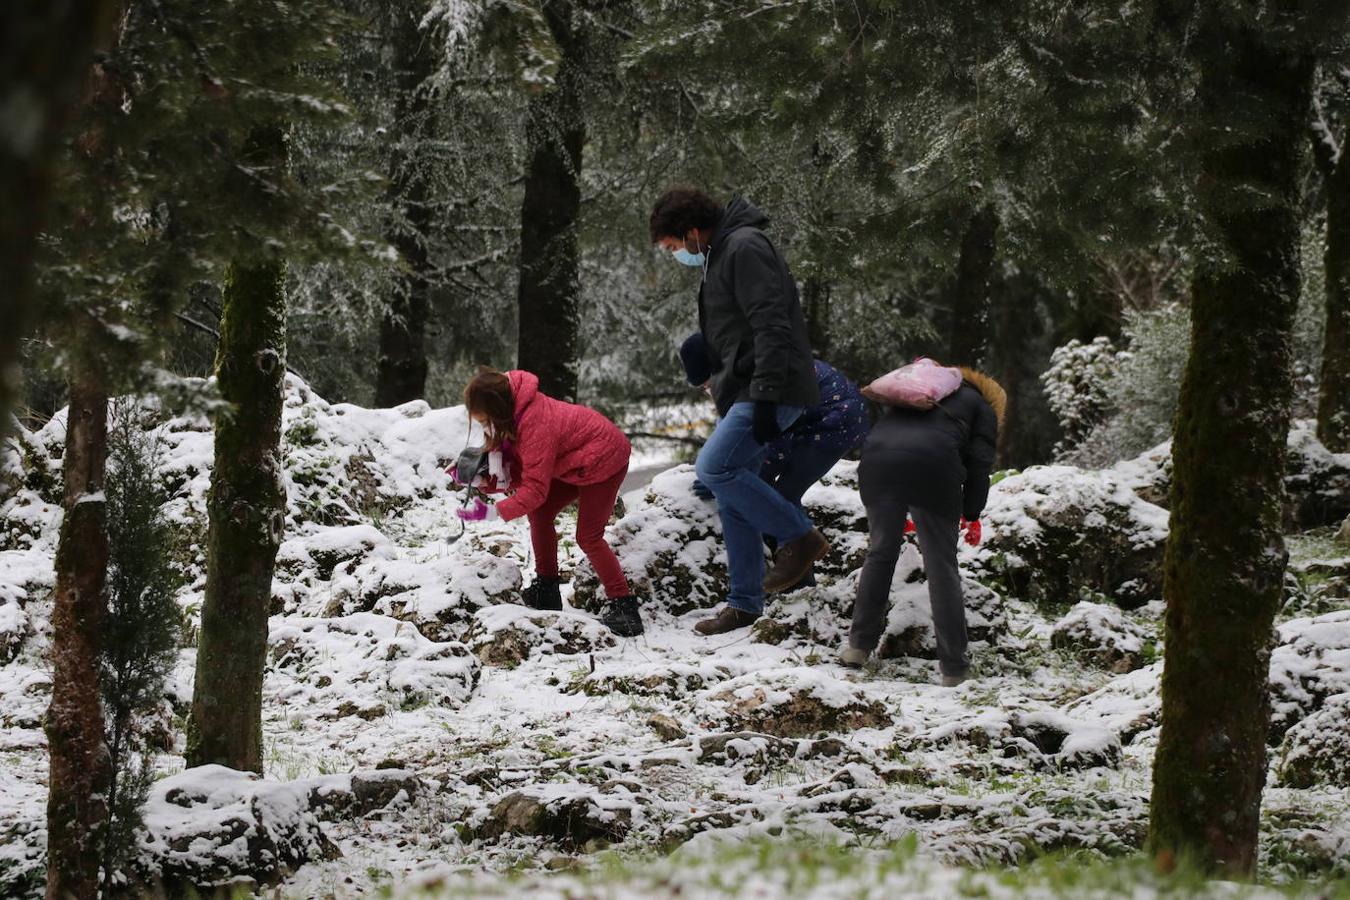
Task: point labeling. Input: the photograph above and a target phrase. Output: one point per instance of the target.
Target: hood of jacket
(993, 392)
(524, 388)
(739, 213)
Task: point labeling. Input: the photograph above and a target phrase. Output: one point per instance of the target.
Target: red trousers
(595, 504)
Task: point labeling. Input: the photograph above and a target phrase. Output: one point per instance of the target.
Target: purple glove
(479, 512)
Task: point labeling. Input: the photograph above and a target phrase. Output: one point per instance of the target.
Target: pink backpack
(920, 385)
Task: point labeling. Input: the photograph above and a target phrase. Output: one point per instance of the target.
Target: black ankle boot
(621, 616)
(543, 593)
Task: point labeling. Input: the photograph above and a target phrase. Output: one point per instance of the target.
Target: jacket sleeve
(979, 460)
(538, 453)
(766, 301)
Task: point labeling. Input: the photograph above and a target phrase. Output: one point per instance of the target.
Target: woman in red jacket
(558, 453)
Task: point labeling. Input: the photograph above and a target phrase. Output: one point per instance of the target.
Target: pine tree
(247, 502)
(45, 51)
(1225, 556)
(1333, 396)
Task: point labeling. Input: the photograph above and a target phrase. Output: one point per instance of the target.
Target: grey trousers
(937, 543)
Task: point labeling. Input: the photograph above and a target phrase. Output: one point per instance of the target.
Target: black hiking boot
(621, 616)
(543, 593)
(727, 619)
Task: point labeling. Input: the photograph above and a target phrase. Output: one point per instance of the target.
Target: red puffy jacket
(557, 441)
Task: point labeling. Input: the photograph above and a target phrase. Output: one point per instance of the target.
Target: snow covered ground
(427, 736)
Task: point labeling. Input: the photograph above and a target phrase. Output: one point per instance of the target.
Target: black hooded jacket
(937, 460)
(751, 317)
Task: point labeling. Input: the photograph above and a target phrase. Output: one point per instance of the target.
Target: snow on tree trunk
(549, 284)
(1333, 399)
(44, 51)
(76, 813)
(247, 510)
(1225, 557)
(970, 291)
(402, 370)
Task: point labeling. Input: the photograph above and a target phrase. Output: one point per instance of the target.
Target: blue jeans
(749, 506)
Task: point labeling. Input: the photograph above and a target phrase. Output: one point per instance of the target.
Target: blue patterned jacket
(839, 422)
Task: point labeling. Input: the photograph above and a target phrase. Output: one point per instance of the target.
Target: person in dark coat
(820, 437)
(932, 465)
(762, 380)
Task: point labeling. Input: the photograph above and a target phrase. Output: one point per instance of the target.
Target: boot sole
(777, 587)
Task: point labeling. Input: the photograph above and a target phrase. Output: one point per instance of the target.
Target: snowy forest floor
(517, 753)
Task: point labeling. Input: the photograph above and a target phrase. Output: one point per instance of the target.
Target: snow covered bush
(1075, 387)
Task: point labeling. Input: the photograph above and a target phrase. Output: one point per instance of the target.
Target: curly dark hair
(681, 209)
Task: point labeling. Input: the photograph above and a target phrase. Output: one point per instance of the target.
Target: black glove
(764, 426)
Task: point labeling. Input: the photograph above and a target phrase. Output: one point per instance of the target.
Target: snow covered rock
(361, 793)
(14, 629)
(1130, 705)
(909, 623)
(1317, 749)
(325, 550)
(439, 594)
(1316, 481)
(670, 547)
(507, 635)
(1311, 663)
(653, 679)
(1054, 533)
(1101, 635)
(365, 665)
(576, 816)
(797, 703)
(212, 826)
(835, 507)
(1047, 739)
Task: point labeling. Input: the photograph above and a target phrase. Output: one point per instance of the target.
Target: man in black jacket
(763, 378)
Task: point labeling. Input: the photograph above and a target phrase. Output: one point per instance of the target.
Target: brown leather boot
(794, 560)
(727, 619)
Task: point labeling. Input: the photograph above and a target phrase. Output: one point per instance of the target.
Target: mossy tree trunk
(246, 506)
(78, 753)
(549, 283)
(970, 289)
(1225, 557)
(402, 369)
(44, 52)
(1333, 395)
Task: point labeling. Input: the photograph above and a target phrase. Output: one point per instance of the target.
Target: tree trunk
(246, 506)
(76, 811)
(1225, 557)
(44, 52)
(970, 291)
(1333, 398)
(549, 282)
(402, 369)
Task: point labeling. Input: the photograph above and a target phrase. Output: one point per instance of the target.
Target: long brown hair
(488, 394)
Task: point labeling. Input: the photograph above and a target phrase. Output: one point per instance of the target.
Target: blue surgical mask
(689, 259)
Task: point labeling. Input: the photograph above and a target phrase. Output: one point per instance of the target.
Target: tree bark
(970, 291)
(549, 279)
(246, 506)
(1225, 557)
(44, 52)
(76, 812)
(402, 370)
(1333, 396)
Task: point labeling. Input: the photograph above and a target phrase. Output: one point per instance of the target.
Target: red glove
(909, 526)
(973, 532)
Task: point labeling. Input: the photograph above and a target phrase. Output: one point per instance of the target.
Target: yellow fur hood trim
(993, 392)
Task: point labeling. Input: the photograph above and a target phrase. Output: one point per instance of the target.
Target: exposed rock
(909, 623)
(1101, 635)
(835, 507)
(1343, 533)
(507, 635)
(364, 665)
(574, 816)
(732, 747)
(1045, 738)
(1317, 749)
(791, 703)
(1058, 534)
(666, 727)
(362, 793)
